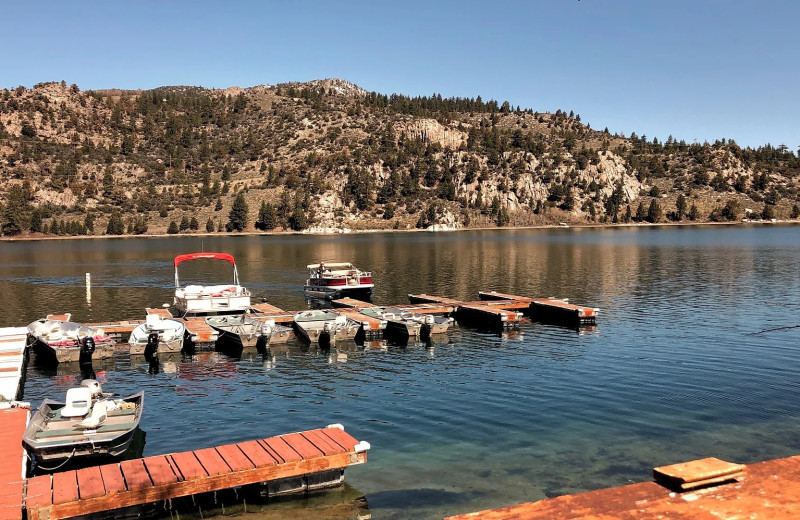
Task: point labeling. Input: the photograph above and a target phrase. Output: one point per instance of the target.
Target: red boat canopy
(200, 256)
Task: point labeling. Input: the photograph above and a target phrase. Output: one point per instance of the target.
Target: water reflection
(593, 407)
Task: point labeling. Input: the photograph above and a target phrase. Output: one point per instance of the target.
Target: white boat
(324, 326)
(209, 300)
(157, 334)
(334, 280)
(89, 425)
(63, 341)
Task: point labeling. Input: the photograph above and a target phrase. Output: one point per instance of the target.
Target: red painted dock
(764, 490)
(161, 477)
(12, 469)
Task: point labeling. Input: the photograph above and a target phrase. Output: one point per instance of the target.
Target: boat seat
(152, 320)
(79, 401)
(98, 415)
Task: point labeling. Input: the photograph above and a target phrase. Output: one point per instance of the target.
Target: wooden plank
(211, 461)
(90, 482)
(201, 485)
(160, 470)
(188, 465)
(234, 457)
(39, 492)
(135, 474)
(342, 438)
(281, 450)
(322, 442)
(301, 445)
(65, 487)
(256, 453)
(113, 480)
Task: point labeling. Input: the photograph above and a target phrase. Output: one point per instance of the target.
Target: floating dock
(371, 328)
(266, 310)
(274, 460)
(550, 310)
(769, 489)
(13, 421)
(493, 311)
(13, 342)
(476, 314)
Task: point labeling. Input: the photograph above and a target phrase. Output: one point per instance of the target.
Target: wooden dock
(12, 471)
(266, 310)
(549, 310)
(476, 314)
(162, 477)
(13, 341)
(769, 489)
(493, 311)
(371, 328)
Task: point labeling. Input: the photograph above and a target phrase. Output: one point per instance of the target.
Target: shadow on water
(340, 503)
(413, 498)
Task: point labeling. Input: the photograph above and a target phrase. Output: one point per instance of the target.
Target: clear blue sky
(700, 69)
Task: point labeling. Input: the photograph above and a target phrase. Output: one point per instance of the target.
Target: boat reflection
(78, 370)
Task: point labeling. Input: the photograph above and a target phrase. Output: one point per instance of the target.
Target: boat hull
(69, 354)
(52, 439)
(337, 292)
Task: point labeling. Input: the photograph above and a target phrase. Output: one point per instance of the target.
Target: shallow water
(683, 364)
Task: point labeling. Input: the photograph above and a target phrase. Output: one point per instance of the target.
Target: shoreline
(414, 230)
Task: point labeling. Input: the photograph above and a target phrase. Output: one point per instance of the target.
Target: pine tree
(210, 225)
(237, 218)
(115, 225)
(266, 217)
(173, 228)
(680, 207)
(654, 212)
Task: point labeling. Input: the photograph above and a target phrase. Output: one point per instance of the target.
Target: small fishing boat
(404, 324)
(157, 334)
(89, 425)
(398, 324)
(241, 330)
(210, 300)
(324, 326)
(63, 341)
(334, 280)
(432, 324)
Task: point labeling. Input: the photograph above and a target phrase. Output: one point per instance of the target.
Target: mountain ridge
(328, 155)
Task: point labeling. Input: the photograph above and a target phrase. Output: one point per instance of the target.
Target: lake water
(694, 355)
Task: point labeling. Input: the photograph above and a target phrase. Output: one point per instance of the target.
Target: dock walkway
(13, 341)
(161, 477)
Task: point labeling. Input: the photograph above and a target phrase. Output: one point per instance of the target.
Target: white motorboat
(63, 341)
(210, 300)
(159, 334)
(324, 326)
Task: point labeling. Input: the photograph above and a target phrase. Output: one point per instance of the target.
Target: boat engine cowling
(87, 349)
(152, 345)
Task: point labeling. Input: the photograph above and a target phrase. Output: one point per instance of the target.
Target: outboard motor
(87, 349)
(151, 349)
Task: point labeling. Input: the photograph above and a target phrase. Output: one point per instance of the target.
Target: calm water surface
(692, 357)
